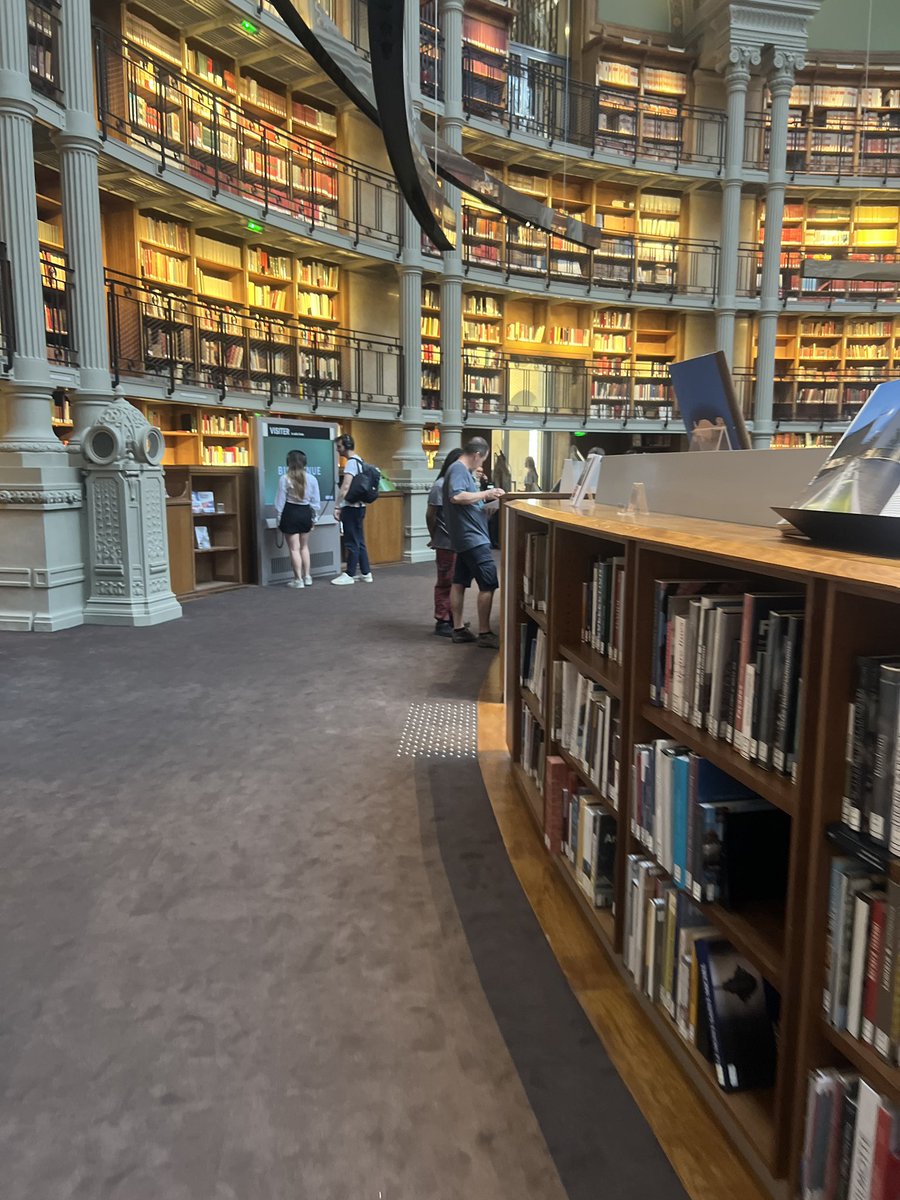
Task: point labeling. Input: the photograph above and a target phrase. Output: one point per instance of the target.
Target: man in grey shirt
(466, 511)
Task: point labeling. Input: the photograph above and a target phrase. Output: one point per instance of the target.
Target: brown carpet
(251, 954)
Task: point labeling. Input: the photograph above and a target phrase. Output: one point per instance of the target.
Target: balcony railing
(188, 342)
(793, 286)
(7, 322)
(431, 52)
(147, 104)
(532, 97)
(868, 147)
(626, 262)
(56, 286)
(812, 396)
(497, 384)
(43, 46)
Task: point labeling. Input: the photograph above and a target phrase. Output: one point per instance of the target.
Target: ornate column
(737, 79)
(451, 283)
(781, 68)
(41, 568)
(79, 147)
(410, 461)
(128, 561)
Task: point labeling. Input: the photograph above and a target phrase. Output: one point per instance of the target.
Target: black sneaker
(489, 640)
(463, 635)
(443, 628)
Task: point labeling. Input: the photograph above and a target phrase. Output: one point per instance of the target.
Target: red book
(873, 969)
(555, 775)
(881, 1164)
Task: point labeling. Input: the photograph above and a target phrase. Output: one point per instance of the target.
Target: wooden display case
(851, 606)
(226, 561)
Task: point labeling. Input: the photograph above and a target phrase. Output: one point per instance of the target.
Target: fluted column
(452, 280)
(28, 406)
(737, 79)
(79, 147)
(782, 67)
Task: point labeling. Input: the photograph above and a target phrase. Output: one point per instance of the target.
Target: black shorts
(296, 518)
(478, 564)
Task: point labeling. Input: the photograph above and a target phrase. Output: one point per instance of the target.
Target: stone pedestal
(128, 563)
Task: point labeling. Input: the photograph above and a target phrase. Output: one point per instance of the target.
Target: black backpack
(364, 485)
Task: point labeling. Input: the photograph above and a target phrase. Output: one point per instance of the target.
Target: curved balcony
(186, 342)
(531, 98)
(843, 150)
(498, 385)
(148, 104)
(794, 288)
(628, 264)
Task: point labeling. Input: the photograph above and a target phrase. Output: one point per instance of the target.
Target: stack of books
(852, 1143)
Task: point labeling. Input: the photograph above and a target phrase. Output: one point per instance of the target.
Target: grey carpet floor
(250, 953)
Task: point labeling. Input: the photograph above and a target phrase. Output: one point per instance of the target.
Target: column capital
(737, 66)
(452, 6)
(781, 67)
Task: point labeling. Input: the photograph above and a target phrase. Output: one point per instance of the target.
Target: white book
(742, 733)
(599, 743)
(689, 670)
(726, 626)
(570, 697)
(867, 1108)
(604, 749)
(676, 683)
(662, 787)
(858, 955)
(893, 833)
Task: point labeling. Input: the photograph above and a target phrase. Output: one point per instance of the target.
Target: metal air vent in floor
(440, 729)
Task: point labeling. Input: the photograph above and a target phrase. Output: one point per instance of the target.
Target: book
(874, 954)
(868, 1105)
(203, 502)
(201, 536)
(737, 1011)
(879, 816)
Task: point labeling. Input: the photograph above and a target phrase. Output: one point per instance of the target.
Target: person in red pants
(445, 559)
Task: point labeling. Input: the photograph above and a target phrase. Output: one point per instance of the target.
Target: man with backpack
(358, 487)
(466, 510)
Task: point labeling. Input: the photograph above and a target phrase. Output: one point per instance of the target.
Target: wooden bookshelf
(198, 436)
(844, 124)
(851, 608)
(227, 561)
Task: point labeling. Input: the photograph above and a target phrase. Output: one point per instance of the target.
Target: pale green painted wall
(842, 25)
(639, 14)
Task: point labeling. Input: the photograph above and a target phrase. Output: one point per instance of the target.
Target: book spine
(883, 775)
(691, 819)
(850, 811)
(864, 1142)
(885, 1002)
(865, 735)
(873, 968)
(893, 831)
(723, 1075)
(747, 634)
(858, 957)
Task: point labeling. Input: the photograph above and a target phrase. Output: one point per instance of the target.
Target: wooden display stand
(226, 562)
(384, 529)
(852, 608)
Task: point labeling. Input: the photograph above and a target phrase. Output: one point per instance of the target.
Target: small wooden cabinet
(212, 550)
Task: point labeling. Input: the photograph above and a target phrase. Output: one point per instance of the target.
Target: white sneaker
(307, 581)
(343, 579)
(296, 583)
(366, 578)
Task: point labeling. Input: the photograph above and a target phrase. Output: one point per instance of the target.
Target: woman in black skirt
(297, 504)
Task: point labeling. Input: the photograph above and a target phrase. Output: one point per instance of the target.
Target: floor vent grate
(440, 729)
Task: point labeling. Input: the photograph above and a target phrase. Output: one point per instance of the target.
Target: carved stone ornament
(119, 434)
(42, 497)
(49, 447)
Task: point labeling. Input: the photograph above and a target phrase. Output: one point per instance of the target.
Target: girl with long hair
(297, 505)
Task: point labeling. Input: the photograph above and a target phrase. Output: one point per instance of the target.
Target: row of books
(728, 661)
(532, 751)
(315, 304)
(851, 1148)
(586, 724)
(166, 233)
(717, 1000)
(603, 607)
(157, 265)
(251, 89)
(480, 331)
(150, 118)
(708, 832)
(264, 262)
(871, 801)
(533, 658)
(266, 296)
(217, 456)
(215, 285)
(861, 993)
(582, 830)
(536, 571)
(234, 423)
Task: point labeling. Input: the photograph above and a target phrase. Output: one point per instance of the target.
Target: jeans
(355, 540)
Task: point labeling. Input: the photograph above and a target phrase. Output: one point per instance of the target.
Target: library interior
(614, 911)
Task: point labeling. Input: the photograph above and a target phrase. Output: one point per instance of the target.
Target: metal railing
(793, 286)
(189, 127)
(431, 52)
(56, 285)
(533, 97)
(498, 384)
(811, 395)
(628, 262)
(188, 341)
(7, 318)
(841, 149)
(43, 46)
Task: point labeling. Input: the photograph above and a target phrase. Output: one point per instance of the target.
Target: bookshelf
(430, 323)
(209, 551)
(639, 104)
(849, 605)
(202, 437)
(485, 57)
(844, 127)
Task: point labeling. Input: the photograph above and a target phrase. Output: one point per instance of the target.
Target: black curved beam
(352, 74)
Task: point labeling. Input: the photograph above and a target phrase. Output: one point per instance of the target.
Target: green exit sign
(255, 226)
(249, 27)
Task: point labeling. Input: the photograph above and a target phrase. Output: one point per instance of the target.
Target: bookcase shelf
(774, 788)
(850, 607)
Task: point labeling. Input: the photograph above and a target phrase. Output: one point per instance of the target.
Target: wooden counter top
(746, 545)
